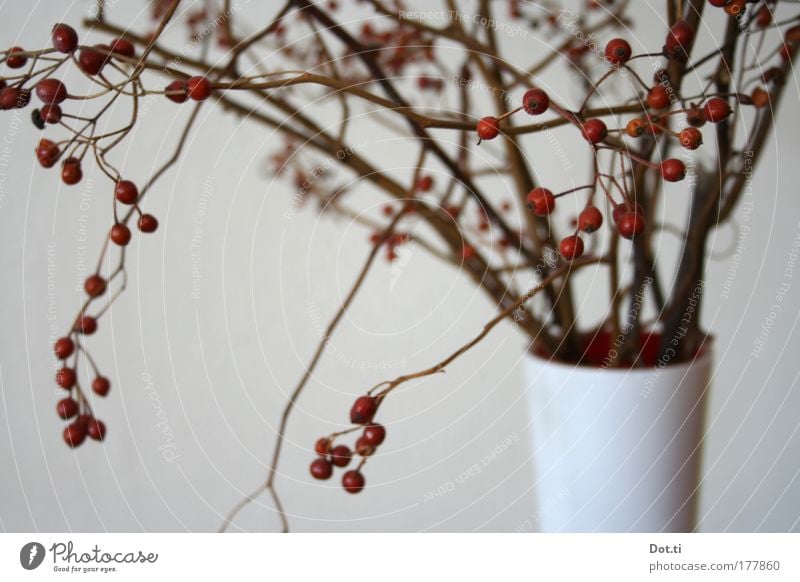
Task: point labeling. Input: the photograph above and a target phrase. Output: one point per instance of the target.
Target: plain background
(225, 305)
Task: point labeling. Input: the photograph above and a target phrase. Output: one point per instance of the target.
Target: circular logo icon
(31, 555)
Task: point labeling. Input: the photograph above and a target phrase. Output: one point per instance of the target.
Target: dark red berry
(374, 434)
(658, 97)
(323, 447)
(86, 325)
(94, 286)
(66, 408)
(96, 429)
(341, 455)
(691, 138)
(718, 3)
(63, 348)
(51, 91)
(363, 448)
(66, 378)
(716, 109)
(120, 234)
(673, 170)
(198, 88)
(64, 37)
(488, 128)
(15, 60)
(47, 152)
(123, 47)
(630, 224)
(695, 117)
(364, 408)
(176, 91)
(594, 130)
(571, 247)
(71, 172)
(147, 223)
(541, 201)
(101, 385)
(50, 113)
(590, 219)
(679, 40)
(425, 184)
(618, 51)
(321, 469)
(75, 433)
(91, 61)
(535, 101)
(353, 481)
(126, 192)
(14, 98)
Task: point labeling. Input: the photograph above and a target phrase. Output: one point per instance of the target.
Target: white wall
(213, 369)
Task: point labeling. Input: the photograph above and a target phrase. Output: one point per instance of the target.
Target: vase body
(617, 450)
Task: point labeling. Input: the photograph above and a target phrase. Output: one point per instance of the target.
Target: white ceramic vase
(616, 450)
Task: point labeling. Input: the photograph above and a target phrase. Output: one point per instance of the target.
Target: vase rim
(704, 354)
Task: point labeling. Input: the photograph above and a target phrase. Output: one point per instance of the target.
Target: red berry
(658, 97)
(734, 7)
(94, 286)
(425, 184)
(123, 47)
(718, 3)
(91, 61)
(176, 91)
(64, 37)
(630, 224)
(590, 219)
(764, 17)
(760, 97)
(66, 378)
(594, 130)
(198, 88)
(321, 469)
(691, 138)
(621, 209)
(618, 51)
(341, 456)
(120, 234)
(51, 113)
(467, 252)
(63, 348)
(488, 128)
(96, 429)
(14, 98)
(679, 39)
(147, 223)
(695, 117)
(364, 408)
(571, 247)
(75, 433)
(101, 385)
(66, 408)
(14, 60)
(673, 170)
(86, 325)
(535, 101)
(126, 192)
(323, 447)
(374, 434)
(51, 91)
(363, 448)
(716, 109)
(71, 172)
(541, 201)
(47, 152)
(353, 481)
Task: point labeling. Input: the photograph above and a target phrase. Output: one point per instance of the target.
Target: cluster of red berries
(195, 88)
(83, 422)
(330, 456)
